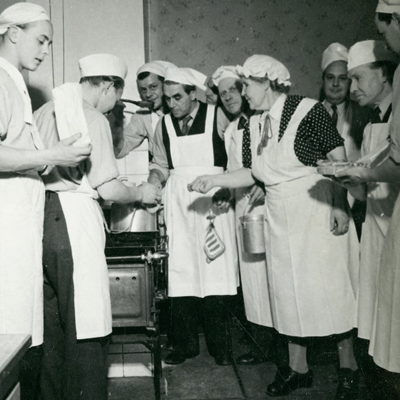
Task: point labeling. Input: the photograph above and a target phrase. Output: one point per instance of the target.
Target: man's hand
(149, 194)
(222, 198)
(352, 176)
(66, 155)
(339, 221)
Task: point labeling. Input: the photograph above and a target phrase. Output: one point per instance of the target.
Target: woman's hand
(256, 195)
(202, 184)
(340, 220)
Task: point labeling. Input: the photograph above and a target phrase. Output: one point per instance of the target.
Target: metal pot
(128, 218)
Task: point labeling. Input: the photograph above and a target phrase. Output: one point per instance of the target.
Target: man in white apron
(77, 306)
(200, 277)
(349, 118)
(22, 155)
(149, 79)
(372, 61)
(385, 342)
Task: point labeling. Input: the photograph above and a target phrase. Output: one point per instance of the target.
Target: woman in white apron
(311, 244)
(249, 200)
(77, 317)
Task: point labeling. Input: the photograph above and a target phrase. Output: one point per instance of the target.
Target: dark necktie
(376, 117)
(185, 125)
(334, 115)
(246, 150)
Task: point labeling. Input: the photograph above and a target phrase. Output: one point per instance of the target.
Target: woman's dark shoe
(348, 384)
(250, 359)
(287, 380)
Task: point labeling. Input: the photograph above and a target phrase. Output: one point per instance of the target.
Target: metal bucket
(253, 233)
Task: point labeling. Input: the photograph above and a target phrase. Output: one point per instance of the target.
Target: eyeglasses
(266, 135)
(232, 90)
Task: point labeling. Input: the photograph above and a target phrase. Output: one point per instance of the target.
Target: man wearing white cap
(77, 307)
(349, 118)
(149, 79)
(25, 36)
(201, 273)
(385, 342)
(371, 69)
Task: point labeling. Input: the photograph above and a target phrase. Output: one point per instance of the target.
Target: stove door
(130, 289)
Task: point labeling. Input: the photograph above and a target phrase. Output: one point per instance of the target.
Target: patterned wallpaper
(204, 34)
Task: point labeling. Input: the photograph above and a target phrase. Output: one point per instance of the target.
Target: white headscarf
(21, 13)
(388, 6)
(260, 66)
(157, 67)
(186, 76)
(223, 73)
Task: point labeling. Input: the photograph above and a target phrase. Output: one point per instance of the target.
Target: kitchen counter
(12, 348)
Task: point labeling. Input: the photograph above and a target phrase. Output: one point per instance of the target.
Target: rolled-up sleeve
(101, 165)
(133, 134)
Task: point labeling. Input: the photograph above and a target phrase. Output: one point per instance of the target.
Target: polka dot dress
(246, 150)
(316, 136)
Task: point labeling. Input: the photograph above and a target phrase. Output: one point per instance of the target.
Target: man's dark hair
(388, 69)
(187, 88)
(385, 17)
(145, 74)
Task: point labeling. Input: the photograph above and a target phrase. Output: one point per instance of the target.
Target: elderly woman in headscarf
(249, 200)
(308, 235)
(25, 36)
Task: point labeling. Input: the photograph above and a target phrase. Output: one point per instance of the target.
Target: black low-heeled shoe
(287, 380)
(348, 384)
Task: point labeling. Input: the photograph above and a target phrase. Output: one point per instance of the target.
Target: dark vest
(197, 128)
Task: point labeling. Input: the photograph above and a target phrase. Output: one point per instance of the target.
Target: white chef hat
(21, 13)
(334, 52)
(102, 65)
(369, 51)
(157, 67)
(388, 6)
(186, 76)
(223, 73)
(260, 66)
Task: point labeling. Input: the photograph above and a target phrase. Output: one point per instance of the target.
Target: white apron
(186, 213)
(253, 267)
(380, 204)
(85, 221)
(21, 273)
(85, 224)
(21, 234)
(312, 287)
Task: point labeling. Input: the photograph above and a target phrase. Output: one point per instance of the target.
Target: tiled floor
(200, 378)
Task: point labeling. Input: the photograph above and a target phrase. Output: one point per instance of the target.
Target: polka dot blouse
(316, 136)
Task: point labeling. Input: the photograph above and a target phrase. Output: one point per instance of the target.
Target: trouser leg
(72, 369)
(29, 369)
(58, 298)
(184, 312)
(216, 325)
